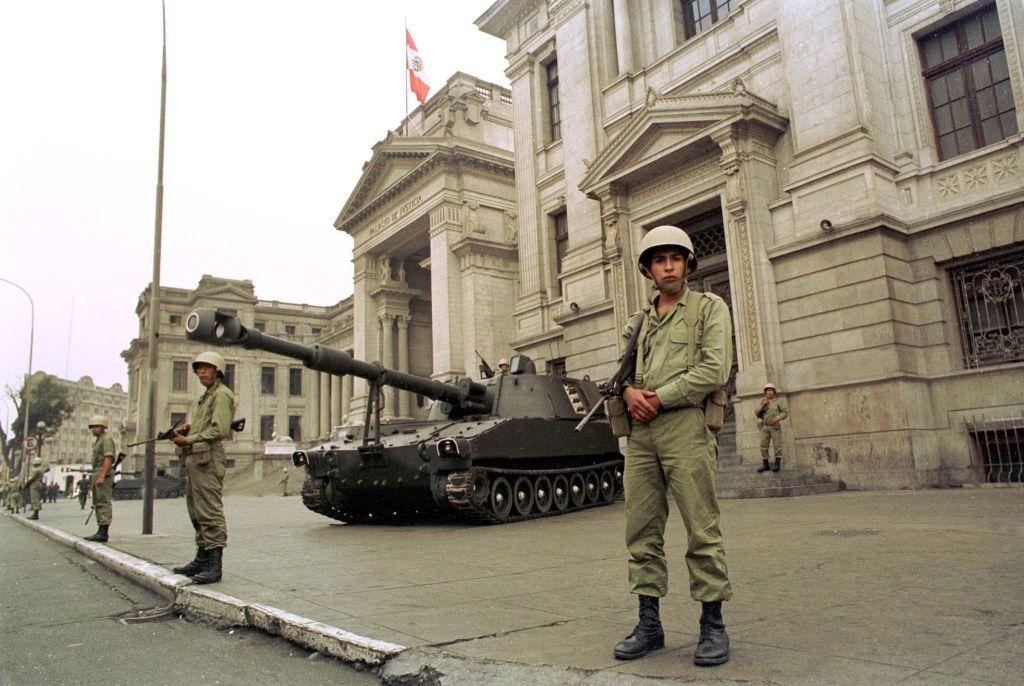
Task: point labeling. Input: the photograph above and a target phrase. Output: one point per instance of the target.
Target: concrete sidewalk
(922, 587)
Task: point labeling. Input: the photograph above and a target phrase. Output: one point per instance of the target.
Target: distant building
(73, 442)
(273, 393)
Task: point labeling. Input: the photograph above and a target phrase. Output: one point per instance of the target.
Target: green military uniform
(771, 434)
(206, 464)
(103, 496)
(35, 486)
(17, 499)
(676, 451)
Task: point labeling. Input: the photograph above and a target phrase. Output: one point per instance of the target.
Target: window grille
(179, 377)
(998, 445)
(708, 242)
(267, 381)
(561, 221)
(968, 84)
(295, 381)
(990, 310)
(229, 376)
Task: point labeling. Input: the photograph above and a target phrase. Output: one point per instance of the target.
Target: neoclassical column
(387, 322)
(325, 404)
(312, 423)
(346, 397)
(404, 397)
(618, 251)
(335, 400)
(623, 36)
(525, 104)
(446, 291)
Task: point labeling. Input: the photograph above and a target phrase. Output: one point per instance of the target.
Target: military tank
(503, 449)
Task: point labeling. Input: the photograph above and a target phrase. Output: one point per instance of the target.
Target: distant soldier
(17, 497)
(202, 453)
(4, 493)
(83, 490)
(770, 414)
(503, 366)
(284, 481)
(103, 486)
(36, 486)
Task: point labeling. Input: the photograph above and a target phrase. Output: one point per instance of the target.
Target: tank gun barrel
(214, 327)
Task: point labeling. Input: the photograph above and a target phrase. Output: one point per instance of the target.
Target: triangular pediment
(223, 291)
(670, 127)
(391, 161)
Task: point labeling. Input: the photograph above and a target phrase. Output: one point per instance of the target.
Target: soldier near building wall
(770, 414)
(83, 490)
(36, 486)
(202, 452)
(684, 353)
(103, 486)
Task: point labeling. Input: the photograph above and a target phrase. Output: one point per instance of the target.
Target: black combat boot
(777, 465)
(211, 571)
(195, 566)
(764, 466)
(648, 634)
(713, 647)
(35, 514)
(101, 534)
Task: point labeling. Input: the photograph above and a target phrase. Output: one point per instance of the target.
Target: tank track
(473, 495)
(314, 497)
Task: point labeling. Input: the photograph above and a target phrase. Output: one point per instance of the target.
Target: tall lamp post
(28, 377)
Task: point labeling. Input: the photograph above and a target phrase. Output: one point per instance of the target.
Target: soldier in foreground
(103, 487)
(36, 486)
(770, 414)
(684, 353)
(202, 453)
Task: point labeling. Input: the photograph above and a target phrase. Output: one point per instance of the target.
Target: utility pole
(148, 490)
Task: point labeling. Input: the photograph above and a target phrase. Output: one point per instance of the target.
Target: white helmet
(502, 361)
(771, 386)
(212, 358)
(98, 420)
(663, 236)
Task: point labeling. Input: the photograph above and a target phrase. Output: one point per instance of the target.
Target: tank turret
(496, 450)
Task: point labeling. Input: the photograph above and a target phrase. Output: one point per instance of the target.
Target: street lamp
(28, 377)
(40, 436)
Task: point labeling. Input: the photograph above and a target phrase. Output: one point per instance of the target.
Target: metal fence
(998, 446)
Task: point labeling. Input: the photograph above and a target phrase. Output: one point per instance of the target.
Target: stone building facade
(433, 220)
(72, 443)
(276, 395)
(851, 173)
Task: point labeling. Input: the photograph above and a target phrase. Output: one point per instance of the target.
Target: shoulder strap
(638, 373)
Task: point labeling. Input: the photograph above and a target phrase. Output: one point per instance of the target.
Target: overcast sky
(272, 109)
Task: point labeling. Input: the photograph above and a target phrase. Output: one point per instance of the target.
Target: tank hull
(488, 470)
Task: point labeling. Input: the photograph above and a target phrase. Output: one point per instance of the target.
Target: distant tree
(49, 404)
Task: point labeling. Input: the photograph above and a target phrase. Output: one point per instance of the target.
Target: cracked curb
(396, 665)
(208, 604)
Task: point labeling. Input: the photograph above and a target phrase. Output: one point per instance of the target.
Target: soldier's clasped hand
(643, 405)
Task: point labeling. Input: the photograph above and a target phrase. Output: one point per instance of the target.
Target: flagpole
(405, 76)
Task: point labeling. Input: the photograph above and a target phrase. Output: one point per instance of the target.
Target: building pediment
(669, 130)
(223, 292)
(390, 163)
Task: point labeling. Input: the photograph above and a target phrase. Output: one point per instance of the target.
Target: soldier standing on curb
(103, 486)
(770, 414)
(36, 486)
(284, 481)
(684, 353)
(202, 453)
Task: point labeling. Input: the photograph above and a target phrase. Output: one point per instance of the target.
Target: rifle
(612, 388)
(110, 473)
(485, 369)
(236, 426)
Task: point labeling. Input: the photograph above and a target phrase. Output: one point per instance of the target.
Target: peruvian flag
(417, 77)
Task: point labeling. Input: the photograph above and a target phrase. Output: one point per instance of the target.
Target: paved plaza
(921, 587)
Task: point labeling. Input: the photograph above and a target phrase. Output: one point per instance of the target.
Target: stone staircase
(741, 480)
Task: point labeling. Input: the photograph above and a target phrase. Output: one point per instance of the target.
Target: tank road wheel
(501, 498)
(560, 493)
(593, 484)
(577, 490)
(544, 494)
(523, 491)
(619, 484)
(607, 486)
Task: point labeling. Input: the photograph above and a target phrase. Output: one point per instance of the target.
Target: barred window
(968, 84)
(561, 222)
(700, 15)
(554, 106)
(179, 376)
(229, 376)
(266, 427)
(295, 381)
(295, 427)
(267, 381)
(990, 309)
